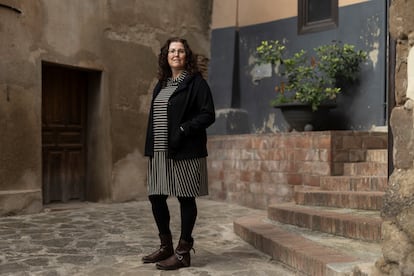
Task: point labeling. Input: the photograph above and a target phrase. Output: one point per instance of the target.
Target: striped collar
(177, 80)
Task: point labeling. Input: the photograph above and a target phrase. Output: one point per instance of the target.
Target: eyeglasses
(174, 51)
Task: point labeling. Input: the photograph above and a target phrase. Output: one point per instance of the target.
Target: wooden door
(63, 133)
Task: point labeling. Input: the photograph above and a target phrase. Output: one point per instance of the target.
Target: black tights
(188, 209)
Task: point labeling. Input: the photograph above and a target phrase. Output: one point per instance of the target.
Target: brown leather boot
(165, 251)
(181, 258)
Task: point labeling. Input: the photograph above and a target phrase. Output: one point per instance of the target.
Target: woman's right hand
(176, 138)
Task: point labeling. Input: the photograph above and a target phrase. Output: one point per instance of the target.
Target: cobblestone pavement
(110, 239)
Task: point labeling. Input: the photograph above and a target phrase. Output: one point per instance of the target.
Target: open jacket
(190, 112)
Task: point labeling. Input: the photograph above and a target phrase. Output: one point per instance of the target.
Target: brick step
(378, 156)
(352, 155)
(340, 199)
(361, 155)
(354, 183)
(348, 223)
(307, 252)
(365, 169)
(361, 140)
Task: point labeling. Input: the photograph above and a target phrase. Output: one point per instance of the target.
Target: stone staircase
(333, 229)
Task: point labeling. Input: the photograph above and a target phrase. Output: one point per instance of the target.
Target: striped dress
(183, 178)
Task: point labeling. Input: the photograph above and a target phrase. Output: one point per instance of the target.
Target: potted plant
(310, 83)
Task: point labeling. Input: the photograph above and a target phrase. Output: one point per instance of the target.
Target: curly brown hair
(164, 70)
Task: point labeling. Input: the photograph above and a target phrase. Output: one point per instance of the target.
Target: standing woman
(181, 110)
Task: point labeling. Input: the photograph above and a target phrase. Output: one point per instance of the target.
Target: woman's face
(176, 56)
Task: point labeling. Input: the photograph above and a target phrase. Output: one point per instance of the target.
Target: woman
(181, 110)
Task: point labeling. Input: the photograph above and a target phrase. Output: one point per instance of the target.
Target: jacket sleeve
(205, 115)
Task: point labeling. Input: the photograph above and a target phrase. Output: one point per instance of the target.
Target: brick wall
(258, 170)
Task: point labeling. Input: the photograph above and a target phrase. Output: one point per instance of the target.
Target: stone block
(401, 73)
(399, 193)
(401, 19)
(402, 127)
(406, 220)
(396, 244)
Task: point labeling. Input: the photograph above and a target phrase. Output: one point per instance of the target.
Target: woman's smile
(176, 56)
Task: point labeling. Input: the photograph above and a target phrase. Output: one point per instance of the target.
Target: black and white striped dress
(183, 178)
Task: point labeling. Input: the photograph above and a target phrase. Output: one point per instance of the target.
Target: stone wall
(398, 210)
(120, 40)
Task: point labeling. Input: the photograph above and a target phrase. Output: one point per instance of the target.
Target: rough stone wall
(398, 210)
(121, 39)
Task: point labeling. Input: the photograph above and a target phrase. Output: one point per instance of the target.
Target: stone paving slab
(110, 239)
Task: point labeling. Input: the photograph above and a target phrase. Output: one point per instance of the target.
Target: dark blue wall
(363, 25)
(222, 64)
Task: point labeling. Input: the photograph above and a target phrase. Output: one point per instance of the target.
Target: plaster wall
(229, 13)
(118, 43)
(241, 90)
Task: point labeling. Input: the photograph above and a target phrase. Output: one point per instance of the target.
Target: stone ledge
(20, 202)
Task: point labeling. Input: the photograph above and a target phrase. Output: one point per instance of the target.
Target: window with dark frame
(317, 15)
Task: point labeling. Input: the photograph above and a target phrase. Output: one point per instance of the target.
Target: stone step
(365, 169)
(340, 199)
(307, 252)
(354, 183)
(348, 223)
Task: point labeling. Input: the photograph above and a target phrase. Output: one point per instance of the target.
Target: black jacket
(190, 107)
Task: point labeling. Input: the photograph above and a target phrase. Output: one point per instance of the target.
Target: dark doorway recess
(64, 128)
